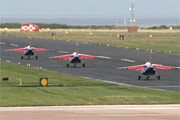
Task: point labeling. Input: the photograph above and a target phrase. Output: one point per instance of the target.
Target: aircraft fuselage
(29, 52)
(149, 71)
(75, 59)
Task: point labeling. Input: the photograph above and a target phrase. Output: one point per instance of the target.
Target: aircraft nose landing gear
(139, 77)
(147, 78)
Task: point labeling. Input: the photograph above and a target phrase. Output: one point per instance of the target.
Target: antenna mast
(132, 9)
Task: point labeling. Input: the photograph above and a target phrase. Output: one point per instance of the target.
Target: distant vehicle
(28, 51)
(149, 69)
(74, 58)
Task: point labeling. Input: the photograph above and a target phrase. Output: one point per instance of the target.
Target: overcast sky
(89, 7)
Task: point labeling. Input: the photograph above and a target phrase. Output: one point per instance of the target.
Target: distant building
(132, 29)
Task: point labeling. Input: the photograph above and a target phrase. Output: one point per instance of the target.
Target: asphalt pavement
(102, 68)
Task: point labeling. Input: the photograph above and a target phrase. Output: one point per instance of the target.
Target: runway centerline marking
(12, 44)
(103, 57)
(127, 60)
(2, 43)
(63, 52)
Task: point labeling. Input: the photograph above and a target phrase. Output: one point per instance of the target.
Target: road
(104, 68)
(101, 112)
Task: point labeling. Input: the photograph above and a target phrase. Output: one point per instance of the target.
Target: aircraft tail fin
(77, 44)
(151, 57)
(30, 42)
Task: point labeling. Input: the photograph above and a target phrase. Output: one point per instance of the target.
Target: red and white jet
(29, 51)
(149, 69)
(74, 58)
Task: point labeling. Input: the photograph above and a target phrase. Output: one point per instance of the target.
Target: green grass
(164, 41)
(70, 90)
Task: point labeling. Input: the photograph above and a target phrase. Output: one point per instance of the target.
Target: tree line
(59, 26)
(65, 26)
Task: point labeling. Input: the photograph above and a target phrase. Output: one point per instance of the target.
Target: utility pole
(124, 21)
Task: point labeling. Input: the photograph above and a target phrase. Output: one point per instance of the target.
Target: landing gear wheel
(147, 78)
(158, 77)
(74, 65)
(36, 57)
(83, 65)
(22, 57)
(67, 65)
(139, 77)
(28, 57)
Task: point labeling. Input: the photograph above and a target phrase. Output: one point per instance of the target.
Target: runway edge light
(43, 81)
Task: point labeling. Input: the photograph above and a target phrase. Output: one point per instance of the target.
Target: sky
(148, 8)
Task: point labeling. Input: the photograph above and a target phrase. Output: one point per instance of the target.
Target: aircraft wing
(18, 50)
(62, 57)
(137, 67)
(157, 66)
(86, 56)
(39, 49)
(93, 56)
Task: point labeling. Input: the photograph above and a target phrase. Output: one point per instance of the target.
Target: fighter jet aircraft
(74, 58)
(29, 51)
(149, 69)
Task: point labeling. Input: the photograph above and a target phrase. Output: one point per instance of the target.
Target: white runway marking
(127, 60)
(163, 86)
(108, 81)
(12, 44)
(103, 57)
(62, 52)
(2, 43)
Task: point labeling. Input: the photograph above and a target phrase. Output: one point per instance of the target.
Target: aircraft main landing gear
(139, 77)
(74, 65)
(83, 65)
(36, 57)
(67, 65)
(158, 77)
(22, 57)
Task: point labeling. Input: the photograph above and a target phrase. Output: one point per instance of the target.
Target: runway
(102, 68)
(101, 112)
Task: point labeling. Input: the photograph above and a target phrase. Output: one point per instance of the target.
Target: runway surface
(103, 68)
(102, 112)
